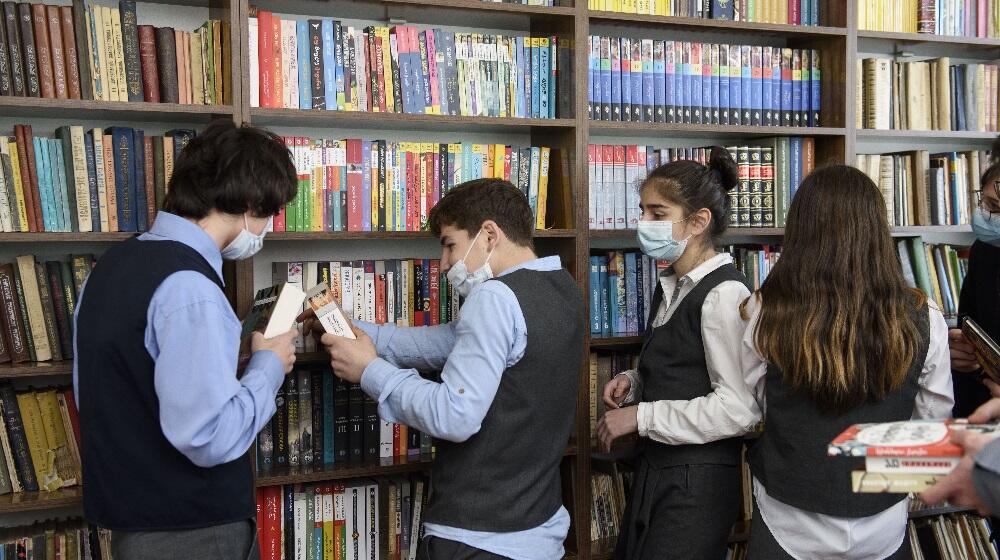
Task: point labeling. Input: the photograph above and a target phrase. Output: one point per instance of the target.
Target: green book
(921, 273)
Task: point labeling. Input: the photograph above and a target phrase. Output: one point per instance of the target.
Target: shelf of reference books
(615, 340)
(36, 369)
(378, 235)
(705, 24)
(341, 471)
(879, 134)
(676, 130)
(60, 237)
(930, 512)
(35, 501)
(973, 42)
(22, 107)
(400, 121)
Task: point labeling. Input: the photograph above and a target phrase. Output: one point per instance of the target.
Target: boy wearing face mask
(510, 370)
(686, 400)
(166, 423)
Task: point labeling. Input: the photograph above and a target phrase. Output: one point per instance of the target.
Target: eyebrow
(653, 206)
(445, 240)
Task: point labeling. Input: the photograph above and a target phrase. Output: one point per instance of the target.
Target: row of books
(604, 366)
(36, 307)
(960, 536)
(610, 488)
(321, 420)
(755, 262)
(377, 185)
(548, 3)
(368, 519)
(963, 18)
(644, 80)
(791, 12)
(85, 180)
(927, 95)
(324, 64)
(408, 293)
(770, 171)
(89, 51)
(938, 270)
(621, 292)
(39, 439)
(71, 539)
(922, 188)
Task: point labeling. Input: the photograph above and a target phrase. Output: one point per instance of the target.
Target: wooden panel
(33, 107)
(39, 501)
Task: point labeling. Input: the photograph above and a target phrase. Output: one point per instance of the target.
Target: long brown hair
(836, 314)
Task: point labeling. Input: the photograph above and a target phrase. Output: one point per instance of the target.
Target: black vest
(134, 478)
(790, 458)
(506, 477)
(672, 366)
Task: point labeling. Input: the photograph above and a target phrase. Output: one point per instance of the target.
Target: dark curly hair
(470, 204)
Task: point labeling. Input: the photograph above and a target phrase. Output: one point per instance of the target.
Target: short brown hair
(470, 204)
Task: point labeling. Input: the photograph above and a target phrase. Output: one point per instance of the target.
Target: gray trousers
(232, 541)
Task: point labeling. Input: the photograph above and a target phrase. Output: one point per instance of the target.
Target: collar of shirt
(171, 227)
(699, 272)
(544, 264)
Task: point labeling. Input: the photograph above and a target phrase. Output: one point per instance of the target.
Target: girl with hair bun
(687, 399)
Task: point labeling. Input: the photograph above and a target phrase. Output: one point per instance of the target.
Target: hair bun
(722, 163)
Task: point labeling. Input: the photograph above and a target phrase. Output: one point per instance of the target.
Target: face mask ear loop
(474, 239)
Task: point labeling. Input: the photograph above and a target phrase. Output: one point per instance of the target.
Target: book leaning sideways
(987, 350)
(903, 457)
(272, 313)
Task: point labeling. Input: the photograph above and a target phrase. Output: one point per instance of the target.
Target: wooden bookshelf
(709, 131)
(615, 341)
(394, 121)
(59, 237)
(41, 501)
(714, 25)
(113, 111)
(927, 38)
(955, 135)
(343, 471)
(36, 369)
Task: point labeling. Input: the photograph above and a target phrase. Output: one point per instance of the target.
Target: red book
(25, 179)
(436, 190)
(435, 281)
(148, 64)
(910, 438)
(74, 414)
(794, 16)
(380, 310)
(265, 56)
(29, 152)
(259, 500)
(70, 53)
(271, 549)
(380, 73)
(43, 52)
(395, 440)
(58, 56)
(428, 202)
(355, 185)
(277, 91)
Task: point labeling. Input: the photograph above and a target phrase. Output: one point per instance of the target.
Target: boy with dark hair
(166, 424)
(510, 370)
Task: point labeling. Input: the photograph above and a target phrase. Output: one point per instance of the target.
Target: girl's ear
(698, 222)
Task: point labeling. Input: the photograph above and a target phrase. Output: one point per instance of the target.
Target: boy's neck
(515, 256)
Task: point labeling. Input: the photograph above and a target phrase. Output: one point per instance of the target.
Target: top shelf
(704, 24)
(36, 107)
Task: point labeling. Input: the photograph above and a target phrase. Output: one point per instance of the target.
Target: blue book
(815, 86)
(707, 108)
(659, 82)
(670, 81)
(796, 87)
(338, 57)
(631, 291)
(775, 86)
(553, 75)
(616, 80)
(684, 75)
(591, 82)
(735, 85)
(626, 79)
(606, 80)
(421, 80)
(765, 98)
(595, 295)
(695, 73)
(953, 186)
(139, 168)
(366, 186)
(302, 49)
(635, 74)
(529, 108)
(41, 163)
(746, 81)
(723, 9)
(724, 84)
(795, 167)
(95, 206)
(757, 86)
(544, 84)
(640, 293)
(716, 102)
(329, 66)
(648, 87)
(805, 84)
(786, 87)
(614, 310)
(536, 75)
(814, 12)
(605, 298)
(57, 185)
(124, 179)
(519, 103)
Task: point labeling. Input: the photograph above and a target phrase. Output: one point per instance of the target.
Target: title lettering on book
(8, 293)
(125, 188)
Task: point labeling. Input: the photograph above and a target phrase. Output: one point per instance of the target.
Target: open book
(987, 349)
(324, 304)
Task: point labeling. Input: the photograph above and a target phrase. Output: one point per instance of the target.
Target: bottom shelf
(37, 501)
(944, 510)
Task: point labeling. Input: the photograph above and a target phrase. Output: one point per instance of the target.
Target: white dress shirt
(729, 410)
(806, 535)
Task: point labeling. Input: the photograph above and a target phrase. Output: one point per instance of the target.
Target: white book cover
(405, 268)
(390, 295)
(592, 182)
(369, 310)
(294, 278)
(359, 291)
(608, 186)
(287, 51)
(911, 465)
(417, 508)
(80, 178)
(347, 287)
(254, 63)
(299, 512)
(620, 188)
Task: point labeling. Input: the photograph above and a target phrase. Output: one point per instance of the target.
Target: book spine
(18, 439)
(13, 321)
(48, 313)
(56, 47)
(165, 64)
(148, 64)
(83, 56)
(71, 53)
(43, 52)
(32, 83)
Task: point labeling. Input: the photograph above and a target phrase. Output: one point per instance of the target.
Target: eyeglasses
(989, 204)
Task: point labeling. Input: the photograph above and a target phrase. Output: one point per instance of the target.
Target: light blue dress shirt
(193, 336)
(472, 354)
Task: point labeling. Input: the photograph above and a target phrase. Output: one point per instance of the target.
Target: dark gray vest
(790, 458)
(506, 477)
(672, 366)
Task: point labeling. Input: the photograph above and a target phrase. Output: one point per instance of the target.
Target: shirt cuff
(375, 376)
(644, 418)
(268, 364)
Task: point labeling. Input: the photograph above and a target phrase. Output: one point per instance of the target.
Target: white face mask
(657, 240)
(460, 278)
(246, 244)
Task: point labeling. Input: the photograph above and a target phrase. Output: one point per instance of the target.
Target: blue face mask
(986, 227)
(656, 239)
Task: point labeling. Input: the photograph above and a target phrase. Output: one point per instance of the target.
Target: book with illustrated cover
(323, 302)
(987, 350)
(274, 310)
(912, 438)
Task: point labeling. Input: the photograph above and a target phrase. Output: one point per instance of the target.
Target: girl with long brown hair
(836, 338)
(687, 400)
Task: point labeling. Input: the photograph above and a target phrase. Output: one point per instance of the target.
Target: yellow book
(783, 11)
(478, 151)
(543, 188)
(489, 167)
(425, 185)
(500, 162)
(454, 154)
(43, 457)
(33, 302)
(409, 294)
(116, 23)
(390, 100)
(55, 433)
(328, 516)
(10, 148)
(932, 272)
(197, 70)
(642, 7)
(317, 184)
(107, 41)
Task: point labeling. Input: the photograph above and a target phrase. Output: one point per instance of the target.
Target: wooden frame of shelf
(598, 17)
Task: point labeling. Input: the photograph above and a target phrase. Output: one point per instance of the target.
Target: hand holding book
(282, 345)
